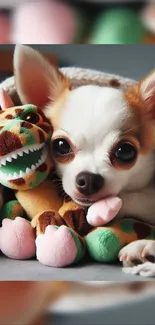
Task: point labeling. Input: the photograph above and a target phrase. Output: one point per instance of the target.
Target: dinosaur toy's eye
(33, 118)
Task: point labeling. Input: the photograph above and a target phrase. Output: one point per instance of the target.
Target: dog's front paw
(138, 252)
(146, 269)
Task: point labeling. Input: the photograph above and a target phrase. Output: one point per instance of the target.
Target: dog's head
(103, 137)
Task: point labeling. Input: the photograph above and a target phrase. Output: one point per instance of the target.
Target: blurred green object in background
(82, 26)
(118, 26)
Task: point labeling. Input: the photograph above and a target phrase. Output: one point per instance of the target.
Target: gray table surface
(88, 271)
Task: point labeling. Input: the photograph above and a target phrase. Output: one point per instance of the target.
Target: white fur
(138, 250)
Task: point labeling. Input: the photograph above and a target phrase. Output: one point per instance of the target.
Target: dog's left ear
(147, 90)
(38, 82)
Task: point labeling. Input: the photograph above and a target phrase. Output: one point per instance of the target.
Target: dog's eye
(61, 147)
(32, 118)
(124, 153)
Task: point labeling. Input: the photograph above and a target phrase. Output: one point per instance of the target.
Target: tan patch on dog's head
(141, 125)
(54, 111)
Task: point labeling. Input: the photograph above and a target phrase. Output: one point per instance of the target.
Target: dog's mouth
(22, 162)
(87, 202)
(84, 202)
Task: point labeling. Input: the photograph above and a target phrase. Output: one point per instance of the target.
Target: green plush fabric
(103, 245)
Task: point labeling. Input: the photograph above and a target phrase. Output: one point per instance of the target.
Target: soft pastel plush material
(53, 235)
(4, 29)
(108, 29)
(46, 22)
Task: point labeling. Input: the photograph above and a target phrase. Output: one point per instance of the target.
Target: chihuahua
(103, 140)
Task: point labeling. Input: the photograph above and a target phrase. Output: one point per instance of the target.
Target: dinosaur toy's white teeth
(9, 177)
(14, 156)
(26, 150)
(3, 162)
(20, 174)
(20, 152)
(28, 170)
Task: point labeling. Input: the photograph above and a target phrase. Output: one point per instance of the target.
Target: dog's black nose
(89, 183)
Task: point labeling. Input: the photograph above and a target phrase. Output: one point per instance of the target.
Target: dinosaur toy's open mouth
(23, 161)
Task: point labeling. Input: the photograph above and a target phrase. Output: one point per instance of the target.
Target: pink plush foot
(56, 247)
(17, 239)
(102, 212)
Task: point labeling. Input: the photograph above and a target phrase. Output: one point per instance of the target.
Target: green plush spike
(12, 209)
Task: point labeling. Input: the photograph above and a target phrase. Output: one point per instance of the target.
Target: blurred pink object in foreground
(44, 22)
(4, 29)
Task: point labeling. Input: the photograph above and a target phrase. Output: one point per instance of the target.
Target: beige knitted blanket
(78, 76)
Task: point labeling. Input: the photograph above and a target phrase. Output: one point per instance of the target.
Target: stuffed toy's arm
(12, 209)
(103, 211)
(104, 243)
(110, 235)
(17, 237)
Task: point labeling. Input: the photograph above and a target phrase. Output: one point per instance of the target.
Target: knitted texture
(79, 77)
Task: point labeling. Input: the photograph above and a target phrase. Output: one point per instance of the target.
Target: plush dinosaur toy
(25, 164)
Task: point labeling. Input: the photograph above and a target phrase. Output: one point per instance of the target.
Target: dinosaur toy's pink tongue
(103, 211)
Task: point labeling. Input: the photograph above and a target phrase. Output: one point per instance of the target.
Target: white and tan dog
(103, 141)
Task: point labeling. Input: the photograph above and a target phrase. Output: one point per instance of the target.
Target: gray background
(132, 61)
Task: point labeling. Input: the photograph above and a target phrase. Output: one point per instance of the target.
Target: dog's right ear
(38, 82)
